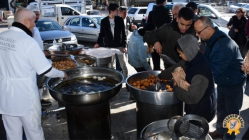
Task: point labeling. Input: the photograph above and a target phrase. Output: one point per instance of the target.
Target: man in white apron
(21, 58)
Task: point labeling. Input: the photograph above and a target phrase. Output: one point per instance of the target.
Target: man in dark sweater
(168, 34)
(159, 16)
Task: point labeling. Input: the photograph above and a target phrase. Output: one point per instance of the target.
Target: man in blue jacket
(226, 60)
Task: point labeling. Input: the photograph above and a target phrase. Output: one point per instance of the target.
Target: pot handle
(174, 118)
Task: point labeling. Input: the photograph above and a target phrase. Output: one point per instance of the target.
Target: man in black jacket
(159, 16)
(129, 27)
(112, 34)
(168, 34)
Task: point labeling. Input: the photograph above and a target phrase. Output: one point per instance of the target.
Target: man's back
(22, 60)
(159, 16)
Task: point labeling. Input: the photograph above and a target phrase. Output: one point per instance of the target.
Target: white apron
(20, 95)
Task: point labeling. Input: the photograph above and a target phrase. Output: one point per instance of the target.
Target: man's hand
(158, 47)
(96, 45)
(124, 50)
(236, 30)
(65, 76)
(174, 82)
(46, 53)
(133, 27)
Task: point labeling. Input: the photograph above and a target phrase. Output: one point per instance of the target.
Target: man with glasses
(164, 38)
(226, 60)
(112, 34)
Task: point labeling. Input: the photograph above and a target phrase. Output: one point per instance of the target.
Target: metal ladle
(72, 57)
(156, 86)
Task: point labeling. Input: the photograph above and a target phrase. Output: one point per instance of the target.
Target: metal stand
(148, 113)
(89, 122)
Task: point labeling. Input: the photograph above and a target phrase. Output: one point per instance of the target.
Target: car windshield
(132, 11)
(97, 19)
(47, 25)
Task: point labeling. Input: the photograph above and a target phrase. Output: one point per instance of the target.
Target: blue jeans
(229, 101)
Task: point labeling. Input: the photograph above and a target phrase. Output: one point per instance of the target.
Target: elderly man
(226, 60)
(21, 59)
(175, 10)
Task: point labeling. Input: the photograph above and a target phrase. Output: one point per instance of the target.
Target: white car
(216, 16)
(137, 14)
(85, 28)
(246, 8)
(233, 8)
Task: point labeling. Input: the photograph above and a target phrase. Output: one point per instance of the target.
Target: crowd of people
(206, 55)
(202, 50)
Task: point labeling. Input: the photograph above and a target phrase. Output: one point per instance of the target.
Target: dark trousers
(229, 101)
(156, 60)
(140, 69)
(2, 130)
(118, 67)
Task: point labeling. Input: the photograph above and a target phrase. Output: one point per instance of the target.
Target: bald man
(21, 59)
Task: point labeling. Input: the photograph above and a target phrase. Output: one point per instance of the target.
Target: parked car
(246, 8)
(86, 28)
(223, 29)
(233, 8)
(137, 14)
(203, 10)
(101, 7)
(216, 16)
(228, 3)
(51, 30)
(94, 12)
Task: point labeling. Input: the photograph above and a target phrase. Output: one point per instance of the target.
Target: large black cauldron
(88, 115)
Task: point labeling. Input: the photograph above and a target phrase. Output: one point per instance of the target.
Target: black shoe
(45, 102)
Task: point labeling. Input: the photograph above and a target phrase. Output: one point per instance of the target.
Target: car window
(203, 11)
(67, 22)
(75, 22)
(142, 11)
(97, 19)
(132, 11)
(88, 2)
(169, 7)
(86, 22)
(68, 11)
(47, 25)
